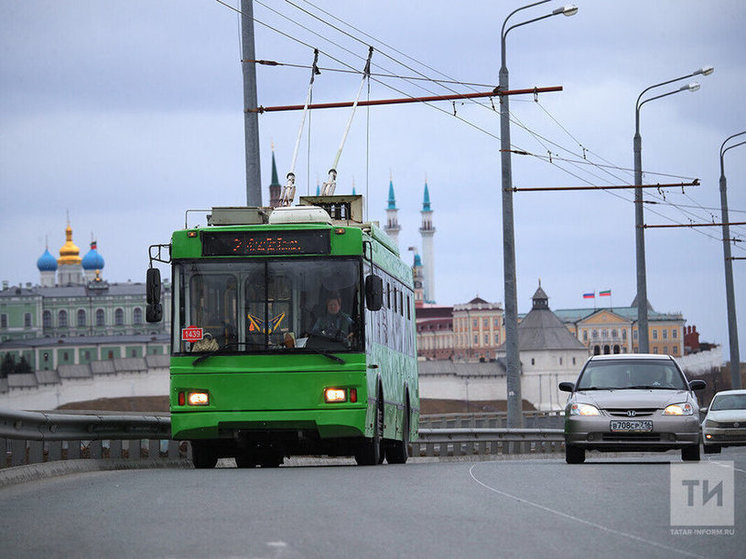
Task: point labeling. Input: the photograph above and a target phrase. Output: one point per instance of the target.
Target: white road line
(729, 465)
(582, 521)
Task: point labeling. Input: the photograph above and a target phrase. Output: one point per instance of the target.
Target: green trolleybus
(293, 334)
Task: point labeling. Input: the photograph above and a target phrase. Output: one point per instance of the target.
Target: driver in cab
(334, 324)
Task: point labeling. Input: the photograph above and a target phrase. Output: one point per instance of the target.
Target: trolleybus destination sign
(251, 243)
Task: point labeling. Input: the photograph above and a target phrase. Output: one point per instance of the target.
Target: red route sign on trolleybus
(191, 334)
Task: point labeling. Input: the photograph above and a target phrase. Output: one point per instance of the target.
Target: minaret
(417, 276)
(275, 188)
(392, 222)
(427, 231)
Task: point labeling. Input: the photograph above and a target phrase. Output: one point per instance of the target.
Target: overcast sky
(128, 113)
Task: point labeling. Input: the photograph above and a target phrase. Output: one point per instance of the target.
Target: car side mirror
(697, 384)
(567, 386)
(154, 310)
(373, 293)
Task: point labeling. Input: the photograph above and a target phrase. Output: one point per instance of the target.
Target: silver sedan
(631, 402)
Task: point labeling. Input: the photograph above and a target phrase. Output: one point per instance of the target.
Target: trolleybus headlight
(198, 399)
(333, 395)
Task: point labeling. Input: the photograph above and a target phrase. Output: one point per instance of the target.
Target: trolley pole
(251, 120)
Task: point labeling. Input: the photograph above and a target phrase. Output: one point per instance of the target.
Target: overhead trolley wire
(473, 125)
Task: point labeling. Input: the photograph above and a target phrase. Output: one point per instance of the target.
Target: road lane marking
(711, 461)
(581, 520)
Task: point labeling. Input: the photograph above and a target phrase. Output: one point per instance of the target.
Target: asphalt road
(607, 507)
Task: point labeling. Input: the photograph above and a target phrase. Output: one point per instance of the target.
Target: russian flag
(606, 293)
(589, 295)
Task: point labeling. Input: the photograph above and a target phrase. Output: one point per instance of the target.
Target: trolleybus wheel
(371, 451)
(245, 460)
(271, 460)
(203, 456)
(397, 452)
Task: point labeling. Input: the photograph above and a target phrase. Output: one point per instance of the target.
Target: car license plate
(627, 425)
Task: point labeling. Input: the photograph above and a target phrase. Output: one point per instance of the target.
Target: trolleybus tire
(371, 452)
(203, 456)
(245, 460)
(397, 452)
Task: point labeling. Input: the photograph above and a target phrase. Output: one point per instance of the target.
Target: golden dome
(69, 253)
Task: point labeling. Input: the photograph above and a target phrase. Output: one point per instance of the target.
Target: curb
(47, 470)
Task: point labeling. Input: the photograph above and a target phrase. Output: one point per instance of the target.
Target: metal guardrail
(28, 437)
(531, 420)
(481, 441)
(50, 426)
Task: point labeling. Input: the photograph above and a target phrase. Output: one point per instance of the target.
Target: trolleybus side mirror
(373, 293)
(154, 310)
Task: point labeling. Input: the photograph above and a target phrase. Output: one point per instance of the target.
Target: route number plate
(191, 334)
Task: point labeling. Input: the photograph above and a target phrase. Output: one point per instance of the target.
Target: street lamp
(642, 289)
(735, 359)
(515, 417)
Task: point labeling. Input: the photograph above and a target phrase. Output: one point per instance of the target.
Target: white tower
(392, 222)
(427, 231)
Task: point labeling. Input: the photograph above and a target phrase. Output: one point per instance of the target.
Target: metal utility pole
(642, 288)
(251, 119)
(512, 353)
(735, 358)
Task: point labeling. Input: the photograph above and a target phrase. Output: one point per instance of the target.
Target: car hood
(727, 415)
(637, 398)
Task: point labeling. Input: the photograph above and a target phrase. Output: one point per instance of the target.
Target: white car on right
(725, 422)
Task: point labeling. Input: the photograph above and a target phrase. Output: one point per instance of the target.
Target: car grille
(726, 438)
(624, 412)
(731, 424)
(647, 437)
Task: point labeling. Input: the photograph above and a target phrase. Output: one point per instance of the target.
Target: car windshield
(729, 402)
(264, 305)
(631, 373)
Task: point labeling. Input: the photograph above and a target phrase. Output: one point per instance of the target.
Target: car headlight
(584, 409)
(710, 423)
(684, 408)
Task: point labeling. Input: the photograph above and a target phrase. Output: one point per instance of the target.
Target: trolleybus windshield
(282, 305)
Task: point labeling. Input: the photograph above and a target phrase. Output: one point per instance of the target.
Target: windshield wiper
(326, 354)
(221, 351)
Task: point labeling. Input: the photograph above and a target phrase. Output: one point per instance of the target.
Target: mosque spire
(427, 231)
(392, 227)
